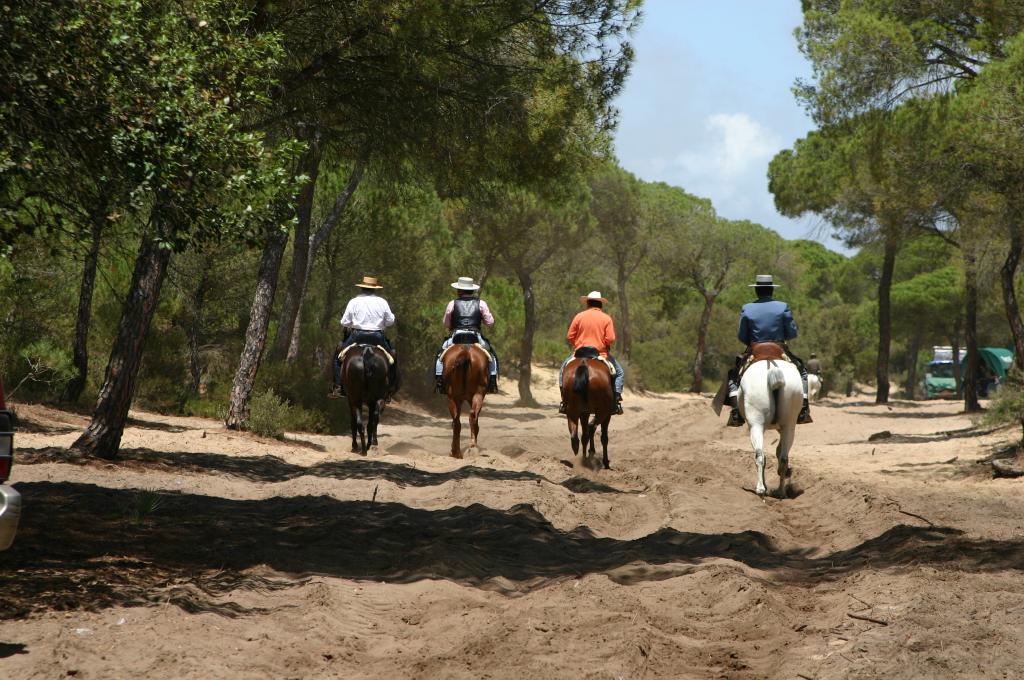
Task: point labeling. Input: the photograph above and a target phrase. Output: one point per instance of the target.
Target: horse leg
(604, 443)
(782, 454)
(588, 433)
(372, 416)
(455, 409)
(593, 434)
(574, 435)
(353, 417)
(362, 428)
(757, 442)
(474, 420)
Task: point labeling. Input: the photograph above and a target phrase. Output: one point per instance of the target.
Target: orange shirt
(592, 328)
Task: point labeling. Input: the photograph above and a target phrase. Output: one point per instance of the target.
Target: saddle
(587, 352)
(387, 354)
(764, 351)
(467, 338)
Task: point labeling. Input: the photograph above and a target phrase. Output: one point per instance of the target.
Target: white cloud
(736, 144)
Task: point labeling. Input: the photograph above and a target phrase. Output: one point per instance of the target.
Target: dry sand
(205, 553)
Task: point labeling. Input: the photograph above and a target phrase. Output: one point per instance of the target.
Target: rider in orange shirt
(594, 328)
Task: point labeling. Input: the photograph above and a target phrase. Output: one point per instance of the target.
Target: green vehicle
(940, 378)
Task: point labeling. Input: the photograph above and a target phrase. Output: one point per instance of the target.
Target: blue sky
(709, 103)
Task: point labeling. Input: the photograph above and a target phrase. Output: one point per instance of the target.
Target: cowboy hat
(465, 283)
(592, 295)
(763, 280)
(369, 282)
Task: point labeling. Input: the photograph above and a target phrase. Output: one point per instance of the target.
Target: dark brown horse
(364, 372)
(465, 380)
(589, 402)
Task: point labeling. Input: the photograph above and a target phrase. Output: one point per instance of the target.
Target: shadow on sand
(82, 548)
(273, 469)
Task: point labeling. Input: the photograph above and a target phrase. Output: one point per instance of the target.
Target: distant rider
(365, 318)
(466, 313)
(594, 328)
(765, 320)
(813, 365)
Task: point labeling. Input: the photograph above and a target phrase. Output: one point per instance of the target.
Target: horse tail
(368, 357)
(581, 381)
(776, 378)
(460, 365)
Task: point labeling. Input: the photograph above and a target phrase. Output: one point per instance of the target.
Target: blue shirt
(766, 320)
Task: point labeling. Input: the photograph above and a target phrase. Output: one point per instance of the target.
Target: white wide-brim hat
(763, 280)
(369, 282)
(592, 295)
(465, 283)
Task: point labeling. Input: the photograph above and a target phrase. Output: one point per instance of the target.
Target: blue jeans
(620, 375)
(439, 368)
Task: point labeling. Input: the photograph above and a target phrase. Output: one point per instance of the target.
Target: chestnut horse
(589, 401)
(364, 372)
(465, 380)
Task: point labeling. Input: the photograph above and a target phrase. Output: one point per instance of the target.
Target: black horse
(365, 374)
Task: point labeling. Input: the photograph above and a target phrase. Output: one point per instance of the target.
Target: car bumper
(10, 513)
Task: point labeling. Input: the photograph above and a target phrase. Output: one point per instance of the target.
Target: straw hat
(465, 283)
(763, 280)
(369, 282)
(592, 295)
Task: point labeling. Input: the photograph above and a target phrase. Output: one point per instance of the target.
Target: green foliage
(271, 416)
(1008, 406)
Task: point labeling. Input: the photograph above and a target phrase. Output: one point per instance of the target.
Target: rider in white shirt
(365, 318)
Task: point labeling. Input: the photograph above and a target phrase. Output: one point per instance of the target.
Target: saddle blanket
(342, 353)
(608, 364)
(475, 344)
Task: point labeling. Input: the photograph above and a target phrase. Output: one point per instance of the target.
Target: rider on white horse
(765, 320)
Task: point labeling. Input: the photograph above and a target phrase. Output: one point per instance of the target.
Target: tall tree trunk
(970, 381)
(80, 352)
(912, 354)
(702, 341)
(625, 326)
(526, 347)
(315, 242)
(885, 321)
(958, 377)
(195, 329)
(256, 332)
(310, 165)
(1007, 276)
(103, 436)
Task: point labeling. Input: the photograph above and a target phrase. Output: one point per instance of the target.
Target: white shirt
(367, 313)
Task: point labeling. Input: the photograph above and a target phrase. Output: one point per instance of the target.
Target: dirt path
(209, 554)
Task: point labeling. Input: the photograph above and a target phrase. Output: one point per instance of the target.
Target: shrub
(1008, 406)
(270, 416)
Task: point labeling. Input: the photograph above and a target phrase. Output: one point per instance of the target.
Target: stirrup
(492, 384)
(735, 419)
(337, 392)
(561, 408)
(618, 404)
(439, 385)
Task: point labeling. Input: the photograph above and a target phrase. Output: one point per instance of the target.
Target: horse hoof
(457, 454)
(761, 491)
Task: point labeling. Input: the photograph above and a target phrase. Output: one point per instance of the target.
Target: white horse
(771, 394)
(813, 386)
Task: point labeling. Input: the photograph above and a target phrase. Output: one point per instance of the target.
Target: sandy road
(205, 553)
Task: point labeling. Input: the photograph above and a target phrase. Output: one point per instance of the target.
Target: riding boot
(337, 392)
(438, 384)
(735, 419)
(492, 384)
(561, 408)
(805, 414)
(618, 403)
